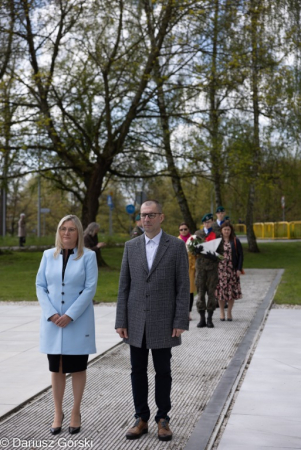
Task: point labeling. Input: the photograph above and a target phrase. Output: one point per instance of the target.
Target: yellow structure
(273, 230)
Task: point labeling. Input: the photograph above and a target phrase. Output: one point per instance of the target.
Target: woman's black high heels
(74, 430)
(57, 430)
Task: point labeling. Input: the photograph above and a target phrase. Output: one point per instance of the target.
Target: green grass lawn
(280, 255)
(12, 241)
(18, 271)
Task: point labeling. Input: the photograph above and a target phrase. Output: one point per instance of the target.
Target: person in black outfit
(91, 240)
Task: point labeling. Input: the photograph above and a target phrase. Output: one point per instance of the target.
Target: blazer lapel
(142, 252)
(163, 246)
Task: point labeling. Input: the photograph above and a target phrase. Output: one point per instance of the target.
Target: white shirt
(151, 247)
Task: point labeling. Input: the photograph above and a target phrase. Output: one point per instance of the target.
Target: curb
(207, 428)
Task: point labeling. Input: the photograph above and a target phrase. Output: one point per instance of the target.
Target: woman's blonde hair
(80, 236)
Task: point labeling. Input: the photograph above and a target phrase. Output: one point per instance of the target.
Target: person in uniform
(220, 215)
(138, 229)
(207, 274)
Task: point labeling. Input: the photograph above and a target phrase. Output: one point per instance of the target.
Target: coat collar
(163, 245)
(72, 251)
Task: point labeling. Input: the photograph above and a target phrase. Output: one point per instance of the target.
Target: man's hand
(123, 332)
(176, 332)
(63, 321)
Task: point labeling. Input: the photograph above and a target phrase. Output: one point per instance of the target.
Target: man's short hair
(158, 205)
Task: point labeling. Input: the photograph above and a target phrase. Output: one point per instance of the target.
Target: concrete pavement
(266, 410)
(23, 369)
(261, 411)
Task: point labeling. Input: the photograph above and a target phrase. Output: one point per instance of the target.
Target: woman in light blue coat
(66, 283)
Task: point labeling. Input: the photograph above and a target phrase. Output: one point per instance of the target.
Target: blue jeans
(139, 362)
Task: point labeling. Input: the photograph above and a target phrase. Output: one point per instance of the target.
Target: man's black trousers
(139, 362)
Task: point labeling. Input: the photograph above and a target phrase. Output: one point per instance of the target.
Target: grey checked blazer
(157, 300)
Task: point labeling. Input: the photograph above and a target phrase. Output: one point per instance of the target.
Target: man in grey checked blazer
(152, 313)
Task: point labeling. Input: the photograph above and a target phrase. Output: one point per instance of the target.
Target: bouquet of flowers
(194, 245)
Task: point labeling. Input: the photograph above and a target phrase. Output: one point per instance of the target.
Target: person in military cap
(220, 215)
(207, 274)
(138, 229)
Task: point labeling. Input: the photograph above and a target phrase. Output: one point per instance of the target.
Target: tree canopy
(205, 93)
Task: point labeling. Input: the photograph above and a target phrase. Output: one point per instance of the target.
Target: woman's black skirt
(71, 363)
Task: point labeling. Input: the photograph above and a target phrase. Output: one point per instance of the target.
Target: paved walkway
(204, 380)
(267, 407)
(23, 369)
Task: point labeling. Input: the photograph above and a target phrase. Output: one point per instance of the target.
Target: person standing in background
(229, 270)
(207, 274)
(220, 215)
(185, 235)
(138, 229)
(22, 230)
(91, 240)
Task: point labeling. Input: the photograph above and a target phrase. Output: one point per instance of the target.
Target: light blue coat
(73, 297)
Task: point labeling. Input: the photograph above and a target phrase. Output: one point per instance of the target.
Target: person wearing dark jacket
(22, 230)
(152, 313)
(91, 240)
(229, 270)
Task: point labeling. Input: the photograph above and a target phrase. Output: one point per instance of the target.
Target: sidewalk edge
(207, 428)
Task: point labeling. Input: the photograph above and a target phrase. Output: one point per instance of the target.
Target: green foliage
(85, 109)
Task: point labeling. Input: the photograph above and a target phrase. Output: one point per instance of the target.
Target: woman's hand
(101, 244)
(238, 273)
(54, 318)
(63, 321)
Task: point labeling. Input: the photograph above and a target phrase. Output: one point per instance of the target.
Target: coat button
(63, 301)
(63, 284)
(63, 293)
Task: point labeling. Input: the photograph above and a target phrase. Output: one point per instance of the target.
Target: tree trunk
(215, 151)
(252, 244)
(254, 10)
(175, 177)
